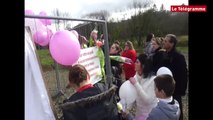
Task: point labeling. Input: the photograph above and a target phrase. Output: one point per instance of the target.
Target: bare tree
(136, 24)
(58, 13)
(102, 15)
(154, 7)
(66, 14)
(162, 8)
(136, 4)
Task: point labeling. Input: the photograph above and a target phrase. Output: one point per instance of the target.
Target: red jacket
(129, 69)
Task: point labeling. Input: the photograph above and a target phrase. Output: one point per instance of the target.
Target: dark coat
(159, 59)
(90, 104)
(179, 70)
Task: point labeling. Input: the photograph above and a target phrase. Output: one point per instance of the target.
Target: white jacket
(146, 99)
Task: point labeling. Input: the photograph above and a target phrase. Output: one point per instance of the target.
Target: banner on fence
(89, 59)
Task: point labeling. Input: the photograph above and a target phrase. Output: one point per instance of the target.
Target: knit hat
(164, 70)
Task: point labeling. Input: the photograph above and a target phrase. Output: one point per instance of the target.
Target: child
(167, 108)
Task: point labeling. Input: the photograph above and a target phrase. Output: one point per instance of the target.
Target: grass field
(46, 59)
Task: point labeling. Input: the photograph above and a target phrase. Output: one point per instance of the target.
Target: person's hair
(129, 43)
(94, 31)
(173, 39)
(166, 83)
(82, 39)
(117, 47)
(77, 74)
(149, 37)
(158, 40)
(117, 42)
(146, 65)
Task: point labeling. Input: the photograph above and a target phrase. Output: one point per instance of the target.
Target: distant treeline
(138, 26)
(158, 22)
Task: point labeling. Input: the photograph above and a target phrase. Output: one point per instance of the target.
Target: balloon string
(35, 25)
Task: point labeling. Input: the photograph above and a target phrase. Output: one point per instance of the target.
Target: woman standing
(129, 52)
(159, 57)
(143, 82)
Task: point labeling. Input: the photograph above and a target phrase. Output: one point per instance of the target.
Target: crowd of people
(159, 96)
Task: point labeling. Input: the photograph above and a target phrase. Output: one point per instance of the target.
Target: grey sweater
(165, 111)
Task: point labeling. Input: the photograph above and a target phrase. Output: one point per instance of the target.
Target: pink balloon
(34, 24)
(50, 33)
(45, 21)
(64, 47)
(29, 12)
(75, 33)
(42, 37)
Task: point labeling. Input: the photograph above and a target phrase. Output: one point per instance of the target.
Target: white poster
(37, 104)
(89, 59)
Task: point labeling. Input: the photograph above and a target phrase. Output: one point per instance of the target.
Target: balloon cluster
(41, 33)
(64, 45)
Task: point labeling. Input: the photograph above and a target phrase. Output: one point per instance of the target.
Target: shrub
(182, 41)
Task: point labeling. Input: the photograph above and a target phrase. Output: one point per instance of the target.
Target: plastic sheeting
(37, 104)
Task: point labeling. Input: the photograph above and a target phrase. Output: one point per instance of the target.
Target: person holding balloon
(143, 82)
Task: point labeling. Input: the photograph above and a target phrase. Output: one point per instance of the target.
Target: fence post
(107, 59)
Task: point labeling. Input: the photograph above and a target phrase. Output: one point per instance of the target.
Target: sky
(78, 8)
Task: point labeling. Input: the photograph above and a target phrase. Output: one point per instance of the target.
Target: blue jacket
(165, 111)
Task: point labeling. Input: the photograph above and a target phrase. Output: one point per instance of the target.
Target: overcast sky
(77, 8)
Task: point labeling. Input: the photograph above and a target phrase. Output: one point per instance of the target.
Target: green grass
(139, 50)
(182, 46)
(180, 49)
(45, 57)
(182, 40)
(183, 50)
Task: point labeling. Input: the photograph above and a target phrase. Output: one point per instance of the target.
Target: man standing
(177, 65)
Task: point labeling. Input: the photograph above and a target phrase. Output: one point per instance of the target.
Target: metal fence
(57, 79)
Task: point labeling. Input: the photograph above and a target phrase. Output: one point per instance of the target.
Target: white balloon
(75, 33)
(128, 92)
(164, 70)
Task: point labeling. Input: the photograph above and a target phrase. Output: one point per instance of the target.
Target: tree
(101, 15)
(162, 8)
(155, 7)
(136, 24)
(58, 13)
(157, 22)
(138, 5)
